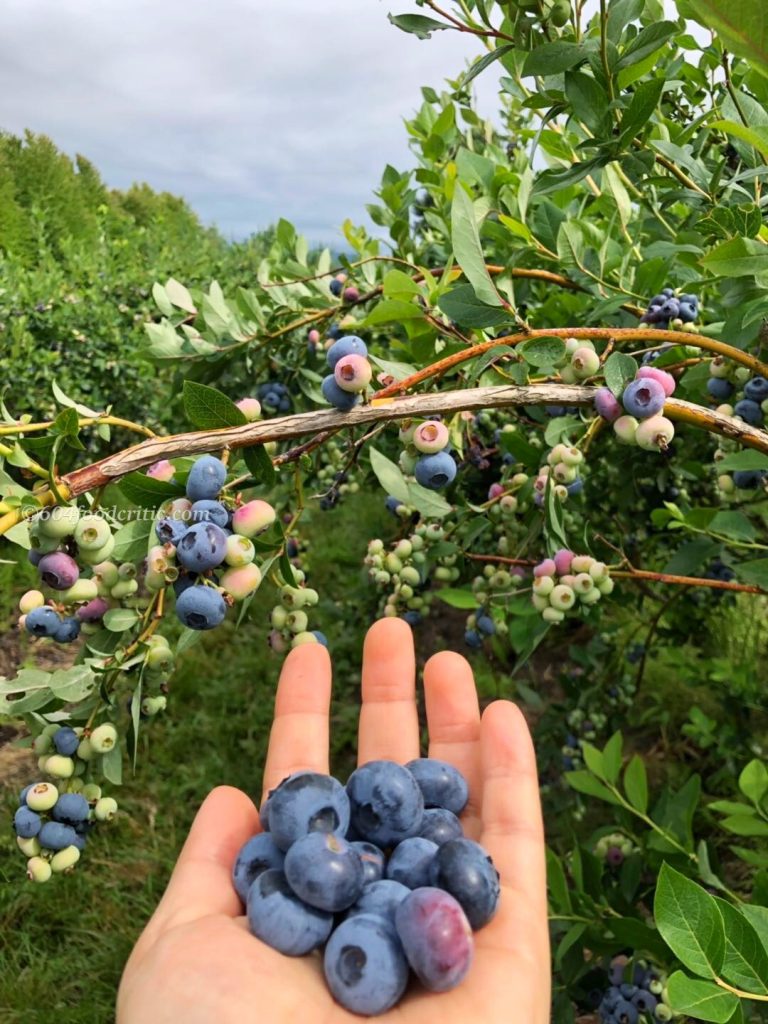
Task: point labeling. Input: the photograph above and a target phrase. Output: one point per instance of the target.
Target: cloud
(250, 109)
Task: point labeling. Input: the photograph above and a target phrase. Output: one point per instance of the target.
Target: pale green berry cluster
(335, 477)
(614, 841)
(579, 362)
(289, 618)
(494, 584)
(562, 471)
(584, 581)
(403, 571)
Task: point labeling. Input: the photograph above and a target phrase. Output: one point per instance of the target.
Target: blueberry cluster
(427, 453)
(337, 288)
(333, 476)
(495, 584)
(642, 998)
(726, 379)
(613, 849)
(403, 571)
(205, 548)
(581, 361)
(667, 309)
(275, 397)
(65, 545)
(559, 582)
(562, 469)
(289, 618)
(53, 820)
(377, 872)
(640, 422)
(351, 372)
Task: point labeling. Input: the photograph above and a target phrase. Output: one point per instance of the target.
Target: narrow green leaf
(462, 305)
(389, 476)
(554, 58)
(636, 784)
(753, 781)
(457, 598)
(584, 782)
(612, 757)
(467, 249)
(417, 24)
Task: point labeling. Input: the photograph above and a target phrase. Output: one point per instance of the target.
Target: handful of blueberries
(378, 872)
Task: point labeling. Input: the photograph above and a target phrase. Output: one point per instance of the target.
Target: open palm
(196, 962)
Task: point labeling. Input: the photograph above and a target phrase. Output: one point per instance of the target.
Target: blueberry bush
(550, 362)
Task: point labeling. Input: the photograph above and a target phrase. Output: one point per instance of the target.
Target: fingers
(201, 883)
(298, 740)
(513, 831)
(389, 724)
(453, 719)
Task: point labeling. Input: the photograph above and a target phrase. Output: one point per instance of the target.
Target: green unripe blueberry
(406, 432)
(625, 429)
(561, 492)
(155, 581)
(99, 554)
(75, 785)
(417, 541)
(279, 617)
(519, 479)
(293, 597)
(304, 638)
(725, 484)
(105, 809)
(311, 597)
(240, 550)
(38, 869)
(103, 738)
(42, 744)
(741, 374)
(152, 706)
(297, 621)
(410, 576)
(376, 547)
(407, 462)
(582, 563)
(65, 859)
(382, 578)
(106, 573)
(544, 585)
(482, 596)
(390, 611)
(561, 13)
(415, 603)
(393, 563)
(488, 572)
(29, 847)
(434, 531)
(406, 592)
(508, 504)
(32, 599)
(92, 792)
(42, 796)
(598, 571)
(92, 533)
(591, 596)
(125, 588)
(403, 548)
(60, 767)
(45, 545)
(662, 1012)
(568, 375)
(655, 433)
(606, 586)
(58, 522)
(442, 573)
(552, 615)
(564, 474)
(562, 597)
(84, 750)
(419, 557)
(126, 571)
(572, 456)
(82, 590)
(159, 658)
(501, 579)
(41, 761)
(583, 583)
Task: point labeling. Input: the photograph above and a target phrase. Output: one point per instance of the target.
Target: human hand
(196, 962)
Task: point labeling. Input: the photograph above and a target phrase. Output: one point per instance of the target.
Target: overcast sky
(250, 109)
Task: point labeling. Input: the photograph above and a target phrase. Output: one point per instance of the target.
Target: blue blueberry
(413, 618)
(66, 740)
(23, 794)
(643, 398)
(486, 625)
(473, 639)
(436, 937)
(206, 478)
(42, 621)
(440, 825)
(441, 784)
(335, 332)
(719, 388)
(749, 411)
(307, 802)
(208, 511)
(70, 809)
(170, 531)
(748, 479)
(26, 822)
(55, 835)
(259, 854)
(201, 607)
(202, 547)
(336, 396)
(278, 917)
(756, 390)
(347, 346)
(67, 630)
(34, 557)
(644, 1002)
(392, 504)
(320, 637)
(335, 287)
(386, 803)
(364, 965)
(687, 311)
(575, 488)
(435, 471)
(625, 1012)
(324, 871)
(464, 869)
(410, 862)
(381, 899)
(373, 861)
(80, 840)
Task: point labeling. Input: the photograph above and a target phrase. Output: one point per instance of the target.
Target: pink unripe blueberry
(607, 405)
(162, 470)
(495, 491)
(180, 508)
(32, 599)
(241, 581)
(585, 362)
(625, 429)
(250, 407)
(58, 570)
(314, 336)
(351, 294)
(276, 641)
(253, 517)
(666, 380)
(353, 373)
(562, 560)
(562, 597)
(567, 579)
(93, 611)
(545, 568)
(654, 434)
(431, 437)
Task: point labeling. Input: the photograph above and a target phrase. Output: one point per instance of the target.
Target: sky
(249, 109)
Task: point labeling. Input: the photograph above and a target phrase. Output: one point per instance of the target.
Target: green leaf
(72, 684)
(642, 105)
(542, 351)
(479, 66)
(619, 370)
(753, 781)
(116, 620)
(390, 311)
(428, 502)
(554, 181)
(738, 257)
(758, 918)
(457, 598)
(417, 24)
(690, 922)
(462, 305)
(732, 524)
(745, 825)
(112, 765)
(612, 757)
(749, 459)
(741, 25)
(557, 884)
(467, 248)
(646, 42)
(389, 476)
(132, 540)
(208, 409)
(746, 962)
(397, 370)
(636, 784)
(260, 465)
(554, 58)
(757, 136)
(148, 492)
(587, 98)
(755, 572)
(585, 782)
(179, 295)
(593, 759)
(700, 999)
